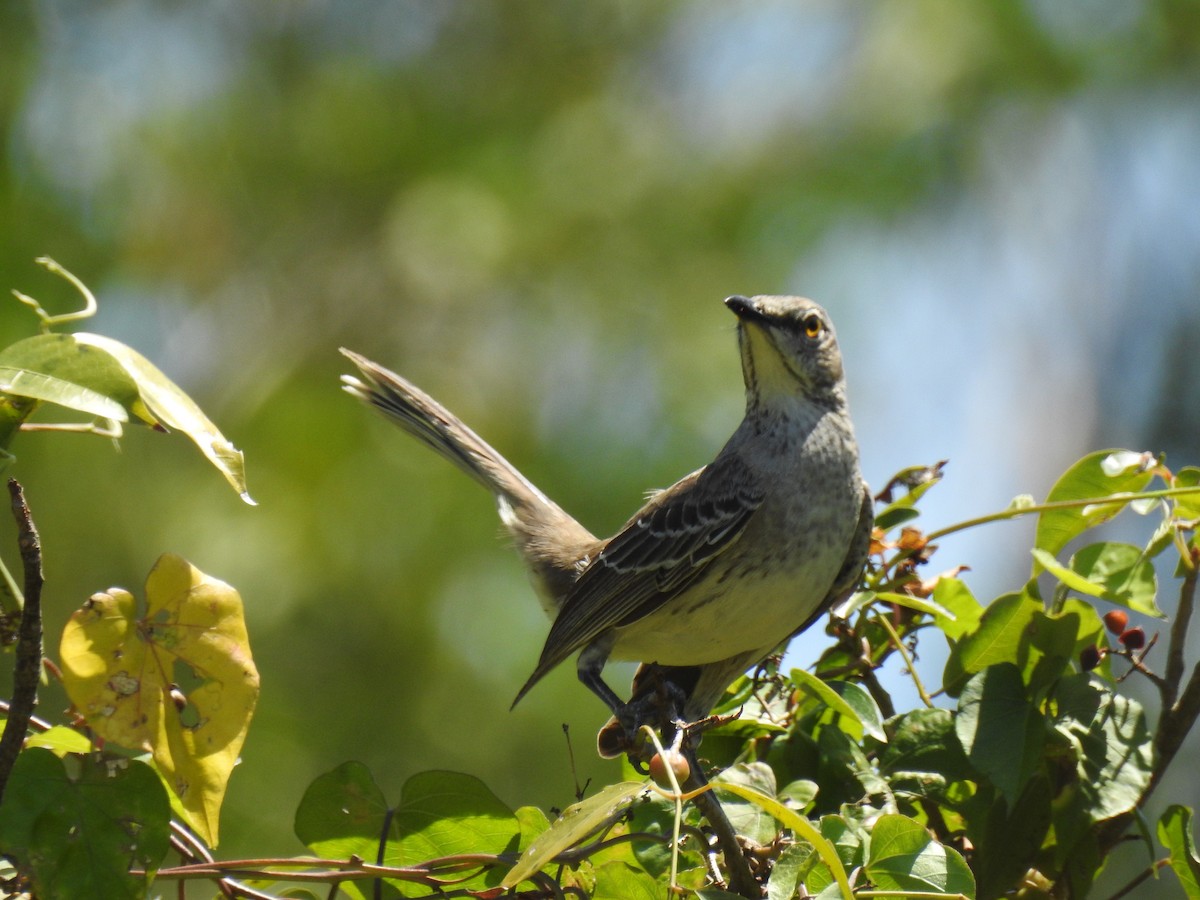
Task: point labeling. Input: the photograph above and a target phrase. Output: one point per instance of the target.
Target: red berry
(1133, 639)
(677, 762)
(1089, 658)
(1116, 620)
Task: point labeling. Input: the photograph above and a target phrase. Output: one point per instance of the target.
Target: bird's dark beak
(745, 309)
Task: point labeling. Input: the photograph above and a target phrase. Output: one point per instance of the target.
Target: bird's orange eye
(813, 326)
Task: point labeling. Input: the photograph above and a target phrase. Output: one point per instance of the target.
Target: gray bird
(715, 572)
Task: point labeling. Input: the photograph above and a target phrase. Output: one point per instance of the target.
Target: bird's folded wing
(657, 555)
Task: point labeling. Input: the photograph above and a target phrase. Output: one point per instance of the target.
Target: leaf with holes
(172, 676)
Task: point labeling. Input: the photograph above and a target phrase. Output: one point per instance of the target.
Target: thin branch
(1175, 722)
(1017, 511)
(29, 638)
(908, 660)
(1179, 630)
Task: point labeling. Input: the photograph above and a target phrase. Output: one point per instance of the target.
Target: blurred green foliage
(530, 209)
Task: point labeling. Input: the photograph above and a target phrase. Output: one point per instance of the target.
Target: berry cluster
(1131, 640)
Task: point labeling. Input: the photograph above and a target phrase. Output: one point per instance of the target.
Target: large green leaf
(1123, 573)
(903, 857)
(440, 814)
(1113, 746)
(1175, 832)
(1002, 636)
(344, 813)
(748, 818)
(575, 824)
(79, 836)
(924, 742)
(101, 377)
(1097, 475)
(953, 595)
(1002, 733)
(849, 718)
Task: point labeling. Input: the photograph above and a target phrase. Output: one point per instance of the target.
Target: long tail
(550, 541)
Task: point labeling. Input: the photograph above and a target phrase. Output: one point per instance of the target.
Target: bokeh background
(534, 211)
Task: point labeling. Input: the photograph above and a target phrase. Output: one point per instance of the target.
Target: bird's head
(789, 351)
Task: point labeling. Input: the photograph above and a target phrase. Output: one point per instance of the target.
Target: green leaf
(532, 822)
(617, 880)
(1011, 837)
(1097, 475)
(790, 870)
(748, 818)
(344, 813)
(924, 742)
(1175, 832)
(865, 708)
(1049, 649)
(575, 824)
(953, 595)
(1066, 575)
(61, 740)
(80, 836)
(801, 828)
(1000, 637)
(1113, 746)
(56, 368)
(102, 377)
(1001, 731)
(1187, 506)
(173, 408)
(903, 857)
(446, 813)
(917, 604)
(1124, 574)
(826, 696)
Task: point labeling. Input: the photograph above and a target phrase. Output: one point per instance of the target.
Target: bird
(714, 573)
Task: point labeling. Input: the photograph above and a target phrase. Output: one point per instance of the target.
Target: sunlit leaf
(1175, 832)
(1094, 476)
(829, 698)
(620, 881)
(577, 822)
(1123, 572)
(801, 828)
(747, 818)
(79, 836)
(865, 708)
(175, 678)
(1187, 506)
(61, 740)
(343, 813)
(105, 378)
(953, 595)
(903, 857)
(1001, 636)
(447, 813)
(174, 409)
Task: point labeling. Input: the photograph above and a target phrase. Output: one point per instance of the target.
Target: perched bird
(713, 573)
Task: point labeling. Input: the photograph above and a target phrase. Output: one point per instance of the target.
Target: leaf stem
(49, 321)
(1014, 512)
(908, 660)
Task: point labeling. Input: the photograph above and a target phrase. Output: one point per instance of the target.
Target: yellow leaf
(173, 676)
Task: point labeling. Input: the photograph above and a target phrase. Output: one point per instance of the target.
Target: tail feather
(550, 540)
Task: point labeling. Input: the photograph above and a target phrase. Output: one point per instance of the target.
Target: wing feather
(656, 556)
